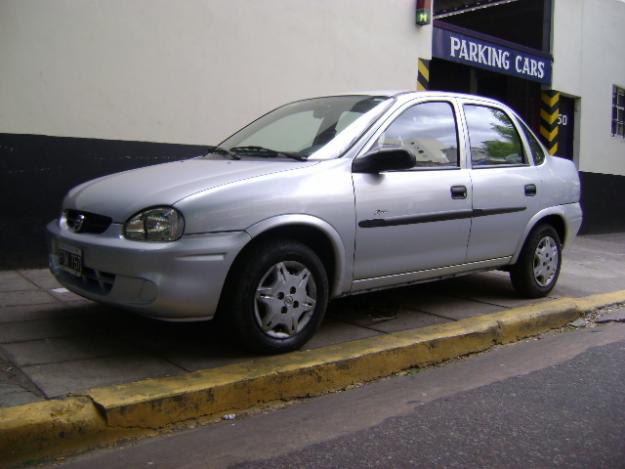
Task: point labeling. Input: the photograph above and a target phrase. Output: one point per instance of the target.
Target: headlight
(155, 224)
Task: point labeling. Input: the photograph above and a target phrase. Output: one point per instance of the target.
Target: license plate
(70, 259)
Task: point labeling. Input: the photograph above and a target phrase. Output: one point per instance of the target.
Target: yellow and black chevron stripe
(423, 75)
(549, 113)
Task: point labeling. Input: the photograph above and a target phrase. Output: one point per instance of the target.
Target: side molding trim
(433, 217)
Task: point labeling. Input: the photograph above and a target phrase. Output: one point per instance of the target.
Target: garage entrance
(521, 95)
(499, 49)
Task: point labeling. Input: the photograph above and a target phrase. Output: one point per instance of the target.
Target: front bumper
(176, 281)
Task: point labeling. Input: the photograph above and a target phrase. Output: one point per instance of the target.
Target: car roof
(407, 95)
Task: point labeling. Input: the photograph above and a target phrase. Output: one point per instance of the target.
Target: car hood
(123, 194)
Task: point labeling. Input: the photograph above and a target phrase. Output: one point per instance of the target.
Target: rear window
(535, 147)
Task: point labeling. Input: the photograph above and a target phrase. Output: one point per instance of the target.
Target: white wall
(567, 35)
(192, 71)
(588, 46)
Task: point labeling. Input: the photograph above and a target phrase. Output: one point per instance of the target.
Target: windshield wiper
(254, 150)
(222, 151)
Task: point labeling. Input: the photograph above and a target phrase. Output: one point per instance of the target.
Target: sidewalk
(53, 343)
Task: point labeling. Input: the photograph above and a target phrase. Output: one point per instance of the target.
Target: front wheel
(538, 267)
(277, 296)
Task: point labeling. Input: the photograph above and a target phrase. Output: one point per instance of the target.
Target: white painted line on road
(60, 290)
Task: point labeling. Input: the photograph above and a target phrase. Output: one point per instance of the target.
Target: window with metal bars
(618, 112)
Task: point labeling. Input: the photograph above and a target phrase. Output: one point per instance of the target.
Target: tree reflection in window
(494, 139)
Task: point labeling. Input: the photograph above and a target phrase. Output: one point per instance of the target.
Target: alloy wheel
(546, 261)
(285, 299)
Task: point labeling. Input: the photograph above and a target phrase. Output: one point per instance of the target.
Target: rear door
(505, 183)
(416, 219)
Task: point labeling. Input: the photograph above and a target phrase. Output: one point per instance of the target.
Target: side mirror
(384, 160)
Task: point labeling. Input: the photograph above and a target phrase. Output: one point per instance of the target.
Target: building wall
(566, 40)
(92, 87)
(588, 43)
(192, 71)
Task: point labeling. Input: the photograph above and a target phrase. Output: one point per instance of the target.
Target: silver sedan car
(318, 199)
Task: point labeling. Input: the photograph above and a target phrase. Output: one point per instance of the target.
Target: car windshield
(319, 128)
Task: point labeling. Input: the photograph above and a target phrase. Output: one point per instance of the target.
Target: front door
(417, 219)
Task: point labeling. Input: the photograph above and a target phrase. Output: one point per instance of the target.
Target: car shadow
(89, 330)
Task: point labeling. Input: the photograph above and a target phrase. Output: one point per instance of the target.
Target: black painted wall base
(603, 202)
(37, 171)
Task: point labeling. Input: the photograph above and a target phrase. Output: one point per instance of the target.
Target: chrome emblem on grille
(78, 223)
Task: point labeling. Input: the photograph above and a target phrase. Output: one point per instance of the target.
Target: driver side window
(428, 131)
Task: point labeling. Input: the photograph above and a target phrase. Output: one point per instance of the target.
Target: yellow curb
(107, 415)
(158, 402)
(154, 403)
(592, 302)
(44, 429)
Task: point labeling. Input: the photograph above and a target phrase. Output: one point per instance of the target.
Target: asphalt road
(556, 401)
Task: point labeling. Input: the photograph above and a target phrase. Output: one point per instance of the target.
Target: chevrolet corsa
(318, 199)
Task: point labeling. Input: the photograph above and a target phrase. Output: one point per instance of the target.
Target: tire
(538, 267)
(276, 296)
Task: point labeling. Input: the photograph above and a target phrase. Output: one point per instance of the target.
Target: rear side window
(428, 131)
(494, 139)
(535, 148)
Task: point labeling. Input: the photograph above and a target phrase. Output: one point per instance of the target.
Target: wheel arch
(314, 232)
(554, 217)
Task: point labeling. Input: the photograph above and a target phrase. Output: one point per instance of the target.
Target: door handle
(458, 192)
(530, 190)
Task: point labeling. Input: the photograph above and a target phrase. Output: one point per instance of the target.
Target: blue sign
(468, 50)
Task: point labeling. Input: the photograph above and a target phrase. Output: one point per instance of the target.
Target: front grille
(85, 222)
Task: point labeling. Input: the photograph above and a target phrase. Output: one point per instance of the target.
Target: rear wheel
(538, 267)
(277, 296)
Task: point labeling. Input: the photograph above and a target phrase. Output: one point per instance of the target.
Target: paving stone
(593, 265)
(11, 395)
(192, 346)
(12, 281)
(334, 332)
(69, 297)
(371, 309)
(210, 350)
(44, 328)
(45, 311)
(408, 319)
(59, 379)
(24, 298)
(492, 288)
(384, 303)
(577, 283)
(365, 316)
(43, 278)
(193, 357)
(66, 343)
(157, 336)
(15, 388)
(451, 308)
(422, 290)
(54, 350)
(393, 319)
